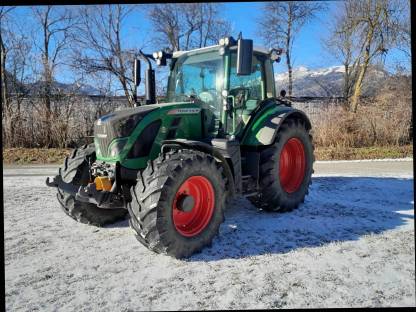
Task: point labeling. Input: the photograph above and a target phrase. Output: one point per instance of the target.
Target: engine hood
(121, 114)
(118, 124)
(121, 124)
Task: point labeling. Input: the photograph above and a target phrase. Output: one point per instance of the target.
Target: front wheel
(178, 202)
(75, 170)
(286, 169)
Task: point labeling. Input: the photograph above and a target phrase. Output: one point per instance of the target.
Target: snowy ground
(350, 245)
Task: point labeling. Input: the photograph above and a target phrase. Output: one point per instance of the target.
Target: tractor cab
(210, 75)
(228, 81)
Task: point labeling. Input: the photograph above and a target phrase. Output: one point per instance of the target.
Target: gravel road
(351, 244)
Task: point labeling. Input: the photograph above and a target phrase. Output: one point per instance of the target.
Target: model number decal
(184, 111)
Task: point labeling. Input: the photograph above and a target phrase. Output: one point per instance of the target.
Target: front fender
(266, 123)
(206, 148)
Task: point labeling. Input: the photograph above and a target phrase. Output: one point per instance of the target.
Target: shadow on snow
(337, 209)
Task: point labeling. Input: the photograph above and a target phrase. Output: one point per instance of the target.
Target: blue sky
(243, 16)
(307, 48)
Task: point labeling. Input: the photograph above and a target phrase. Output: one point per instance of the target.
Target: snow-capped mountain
(59, 87)
(326, 81)
(15, 86)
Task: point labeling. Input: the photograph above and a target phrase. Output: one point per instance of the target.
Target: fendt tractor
(173, 167)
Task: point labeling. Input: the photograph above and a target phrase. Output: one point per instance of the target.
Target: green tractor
(174, 166)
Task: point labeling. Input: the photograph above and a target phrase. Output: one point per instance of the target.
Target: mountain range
(14, 86)
(326, 82)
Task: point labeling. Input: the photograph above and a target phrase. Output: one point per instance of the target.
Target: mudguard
(265, 122)
(206, 148)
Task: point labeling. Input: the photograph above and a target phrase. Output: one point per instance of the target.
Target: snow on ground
(350, 245)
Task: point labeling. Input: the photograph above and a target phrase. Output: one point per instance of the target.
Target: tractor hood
(117, 127)
(122, 114)
(118, 124)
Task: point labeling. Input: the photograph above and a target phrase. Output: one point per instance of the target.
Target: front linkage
(89, 194)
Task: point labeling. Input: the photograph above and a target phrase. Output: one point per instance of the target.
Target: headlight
(125, 126)
(116, 147)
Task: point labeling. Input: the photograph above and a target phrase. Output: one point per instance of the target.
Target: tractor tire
(286, 169)
(178, 203)
(75, 171)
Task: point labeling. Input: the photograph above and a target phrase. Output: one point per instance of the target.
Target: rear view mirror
(136, 72)
(244, 56)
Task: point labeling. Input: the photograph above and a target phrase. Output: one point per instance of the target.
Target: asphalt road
(343, 168)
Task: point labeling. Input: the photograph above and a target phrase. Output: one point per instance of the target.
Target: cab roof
(216, 47)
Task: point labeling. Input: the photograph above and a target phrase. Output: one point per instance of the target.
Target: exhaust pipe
(150, 87)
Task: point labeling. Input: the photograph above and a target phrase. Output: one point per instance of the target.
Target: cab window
(248, 91)
(253, 82)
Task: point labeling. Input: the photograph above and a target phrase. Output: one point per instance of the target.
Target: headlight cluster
(117, 146)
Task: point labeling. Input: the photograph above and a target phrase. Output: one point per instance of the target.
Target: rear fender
(266, 123)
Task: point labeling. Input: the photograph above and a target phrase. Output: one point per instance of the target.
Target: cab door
(245, 91)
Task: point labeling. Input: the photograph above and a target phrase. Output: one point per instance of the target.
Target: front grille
(103, 134)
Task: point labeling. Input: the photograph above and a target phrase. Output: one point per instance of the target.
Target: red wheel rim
(292, 165)
(193, 222)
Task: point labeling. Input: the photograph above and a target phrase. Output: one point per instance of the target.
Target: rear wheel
(286, 169)
(75, 171)
(177, 204)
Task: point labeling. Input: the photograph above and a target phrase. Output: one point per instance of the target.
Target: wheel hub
(292, 165)
(186, 203)
(193, 206)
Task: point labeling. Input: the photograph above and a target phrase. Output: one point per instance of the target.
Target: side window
(253, 82)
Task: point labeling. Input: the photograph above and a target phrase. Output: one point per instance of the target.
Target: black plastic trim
(144, 143)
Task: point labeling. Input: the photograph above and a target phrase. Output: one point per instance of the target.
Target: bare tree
(282, 21)
(3, 54)
(342, 45)
(368, 28)
(187, 26)
(56, 25)
(5, 96)
(15, 60)
(100, 47)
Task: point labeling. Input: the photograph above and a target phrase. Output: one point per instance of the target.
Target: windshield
(199, 76)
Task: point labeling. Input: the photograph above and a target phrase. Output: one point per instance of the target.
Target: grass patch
(373, 152)
(22, 156)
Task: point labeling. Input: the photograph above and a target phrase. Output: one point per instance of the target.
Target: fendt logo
(184, 111)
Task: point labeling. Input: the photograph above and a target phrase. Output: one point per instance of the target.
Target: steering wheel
(206, 96)
(209, 97)
(241, 95)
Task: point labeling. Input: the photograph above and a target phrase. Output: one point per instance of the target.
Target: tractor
(173, 167)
